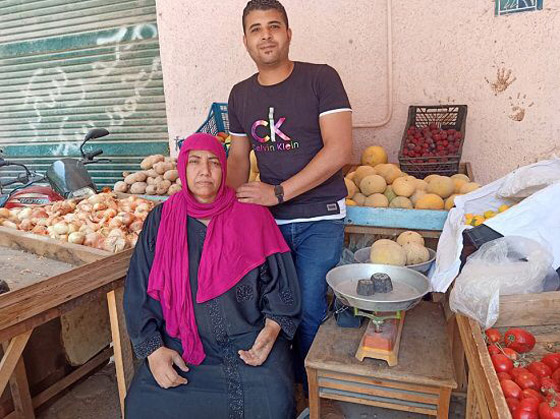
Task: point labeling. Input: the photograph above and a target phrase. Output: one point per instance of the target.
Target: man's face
(204, 175)
(267, 38)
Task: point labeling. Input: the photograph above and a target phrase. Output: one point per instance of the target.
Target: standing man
(297, 118)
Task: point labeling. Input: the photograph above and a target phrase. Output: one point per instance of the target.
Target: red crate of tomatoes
(433, 140)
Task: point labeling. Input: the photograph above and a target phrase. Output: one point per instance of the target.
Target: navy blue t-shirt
(282, 123)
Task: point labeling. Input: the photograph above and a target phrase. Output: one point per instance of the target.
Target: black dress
(223, 386)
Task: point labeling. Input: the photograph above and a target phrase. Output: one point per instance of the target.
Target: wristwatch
(279, 192)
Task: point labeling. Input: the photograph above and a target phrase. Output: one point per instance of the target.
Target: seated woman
(211, 301)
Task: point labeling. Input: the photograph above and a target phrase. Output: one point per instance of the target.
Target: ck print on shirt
(270, 136)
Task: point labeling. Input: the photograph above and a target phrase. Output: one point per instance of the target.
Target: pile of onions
(101, 221)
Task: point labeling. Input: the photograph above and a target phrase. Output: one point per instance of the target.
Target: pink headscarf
(238, 239)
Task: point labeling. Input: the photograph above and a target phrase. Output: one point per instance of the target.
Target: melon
(359, 198)
(401, 202)
(416, 196)
(350, 202)
(389, 172)
(372, 184)
(350, 176)
(410, 237)
(350, 187)
(442, 186)
(377, 200)
(421, 185)
(361, 172)
(429, 178)
(390, 193)
(415, 253)
(253, 162)
(430, 201)
(469, 187)
(388, 255)
(461, 176)
(458, 184)
(384, 242)
(374, 155)
(450, 202)
(404, 186)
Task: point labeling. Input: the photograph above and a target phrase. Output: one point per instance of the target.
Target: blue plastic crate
(216, 121)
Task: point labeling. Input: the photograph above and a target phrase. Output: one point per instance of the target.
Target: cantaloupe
(430, 201)
(421, 185)
(350, 202)
(461, 176)
(376, 200)
(351, 176)
(469, 187)
(450, 202)
(253, 162)
(415, 253)
(416, 196)
(359, 198)
(388, 255)
(374, 155)
(390, 193)
(458, 184)
(401, 202)
(389, 172)
(429, 178)
(384, 242)
(410, 237)
(361, 172)
(442, 186)
(404, 186)
(350, 187)
(372, 184)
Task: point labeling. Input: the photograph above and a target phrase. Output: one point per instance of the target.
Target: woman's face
(204, 175)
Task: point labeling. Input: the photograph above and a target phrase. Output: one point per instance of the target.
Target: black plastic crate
(445, 117)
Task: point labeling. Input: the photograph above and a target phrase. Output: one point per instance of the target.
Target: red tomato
(519, 340)
(556, 376)
(510, 389)
(548, 384)
(502, 363)
(529, 405)
(528, 380)
(494, 350)
(549, 410)
(504, 376)
(525, 414)
(493, 336)
(531, 393)
(552, 360)
(511, 354)
(539, 369)
(512, 403)
(518, 370)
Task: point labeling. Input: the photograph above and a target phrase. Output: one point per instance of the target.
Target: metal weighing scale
(383, 298)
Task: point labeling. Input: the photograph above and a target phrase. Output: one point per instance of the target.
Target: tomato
(519, 340)
(548, 385)
(549, 410)
(493, 336)
(504, 376)
(510, 389)
(552, 360)
(556, 376)
(512, 403)
(518, 370)
(529, 405)
(502, 363)
(531, 393)
(525, 414)
(494, 350)
(511, 354)
(539, 369)
(528, 380)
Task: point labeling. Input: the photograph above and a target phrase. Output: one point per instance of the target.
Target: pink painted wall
(444, 50)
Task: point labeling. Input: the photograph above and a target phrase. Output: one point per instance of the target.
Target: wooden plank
(314, 402)
(71, 378)
(121, 344)
(457, 352)
(73, 254)
(529, 309)
(393, 406)
(36, 299)
(19, 388)
(11, 357)
(443, 406)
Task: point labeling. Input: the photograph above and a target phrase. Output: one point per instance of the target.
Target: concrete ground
(97, 398)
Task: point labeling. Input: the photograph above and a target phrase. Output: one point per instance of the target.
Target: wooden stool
(421, 382)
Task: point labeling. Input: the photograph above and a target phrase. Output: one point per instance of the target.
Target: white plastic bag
(527, 180)
(505, 266)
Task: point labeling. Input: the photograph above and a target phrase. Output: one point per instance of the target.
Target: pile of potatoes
(383, 185)
(159, 176)
(409, 249)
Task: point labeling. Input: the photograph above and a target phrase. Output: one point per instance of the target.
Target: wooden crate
(538, 313)
(428, 221)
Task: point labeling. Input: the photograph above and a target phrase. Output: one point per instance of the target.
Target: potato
(151, 173)
(162, 187)
(171, 160)
(171, 175)
(178, 181)
(138, 187)
(135, 177)
(154, 180)
(121, 186)
(151, 190)
(174, 189)
(149, 161)
(163, 167)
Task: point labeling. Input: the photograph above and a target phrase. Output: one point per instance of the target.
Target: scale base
(382, 345)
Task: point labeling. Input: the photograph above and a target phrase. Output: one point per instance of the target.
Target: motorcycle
(67, 177)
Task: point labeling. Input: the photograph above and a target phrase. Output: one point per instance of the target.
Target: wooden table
(421, 382)
(22, 310)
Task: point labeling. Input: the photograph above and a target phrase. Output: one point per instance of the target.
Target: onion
(40, 230)
(76, 238)
(5, 213)
(9, 224)
(60, 228)
(115, 222)
(24, 213)
(100, 206)
(73, 227)
(115, 243)
(136, 226)
(26, 225)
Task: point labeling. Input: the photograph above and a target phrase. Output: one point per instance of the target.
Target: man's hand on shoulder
(259, 193)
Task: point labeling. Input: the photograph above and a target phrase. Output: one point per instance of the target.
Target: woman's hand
(263, 344)
(161, 365)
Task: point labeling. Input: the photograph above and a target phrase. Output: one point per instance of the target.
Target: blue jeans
(316, 249)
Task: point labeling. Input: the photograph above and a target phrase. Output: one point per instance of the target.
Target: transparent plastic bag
(505, 266)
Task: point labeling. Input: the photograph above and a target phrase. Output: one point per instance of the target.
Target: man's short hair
(264, 5)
